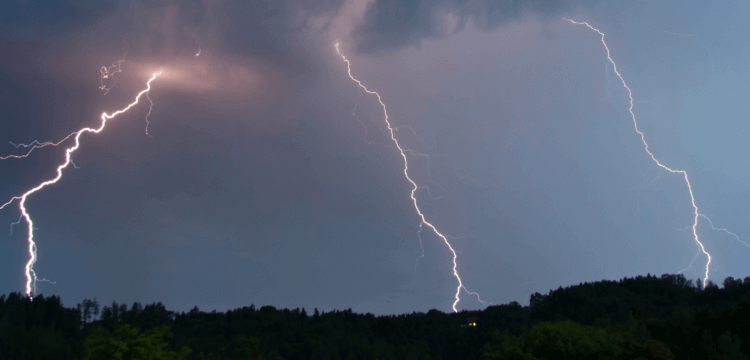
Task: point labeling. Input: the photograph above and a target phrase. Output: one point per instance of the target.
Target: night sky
(269, 177)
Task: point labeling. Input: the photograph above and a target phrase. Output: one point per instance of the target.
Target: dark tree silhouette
(642, 316)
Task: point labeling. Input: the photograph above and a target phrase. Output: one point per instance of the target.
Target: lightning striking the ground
(414, 189)
(31, 278)
(697, 215)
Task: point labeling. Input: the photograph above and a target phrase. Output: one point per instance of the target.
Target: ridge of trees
(641, 317)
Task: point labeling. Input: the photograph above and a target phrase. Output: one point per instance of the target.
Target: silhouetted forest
(645, 317)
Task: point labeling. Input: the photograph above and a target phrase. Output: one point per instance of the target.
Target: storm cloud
(269, 178)
(392, 24)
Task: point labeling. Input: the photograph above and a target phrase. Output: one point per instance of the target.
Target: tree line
(644, 317)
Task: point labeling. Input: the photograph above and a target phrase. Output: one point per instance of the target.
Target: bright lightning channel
(31, 277)
(697, 215)
(414, 188)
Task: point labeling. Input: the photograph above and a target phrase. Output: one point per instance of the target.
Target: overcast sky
(269, 177)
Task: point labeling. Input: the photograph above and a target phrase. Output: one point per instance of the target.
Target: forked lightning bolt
(37, 145)
(31, 277)
(414, 189)
(697, 215)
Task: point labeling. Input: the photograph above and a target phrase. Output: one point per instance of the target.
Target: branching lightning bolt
(34, 145)
(691, 265)
(20, 218)
(147, 115)
(109, 72)
(31, 277)
(697, 215)
(724, 230)
(364, 127)
(710, 61)
(415, 187)
(38, 145)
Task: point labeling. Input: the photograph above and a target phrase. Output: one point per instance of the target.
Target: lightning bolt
(414, 189)
(724, 230)
(364, 127)
(697, 214)
(31, 277)
(20, 218)
(34, 145)
(147, 115)
(691, 265)
(109, 72)
(690, 35)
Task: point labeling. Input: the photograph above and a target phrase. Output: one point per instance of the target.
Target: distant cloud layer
(392, 24)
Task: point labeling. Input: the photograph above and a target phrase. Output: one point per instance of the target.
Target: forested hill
(645, 317)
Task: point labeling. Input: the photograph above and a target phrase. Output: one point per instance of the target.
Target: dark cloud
(265, 29)
(259, 183)
(264, 174)
(392, 24)
(47, 20)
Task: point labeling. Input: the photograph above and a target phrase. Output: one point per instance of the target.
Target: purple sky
(270, 178)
